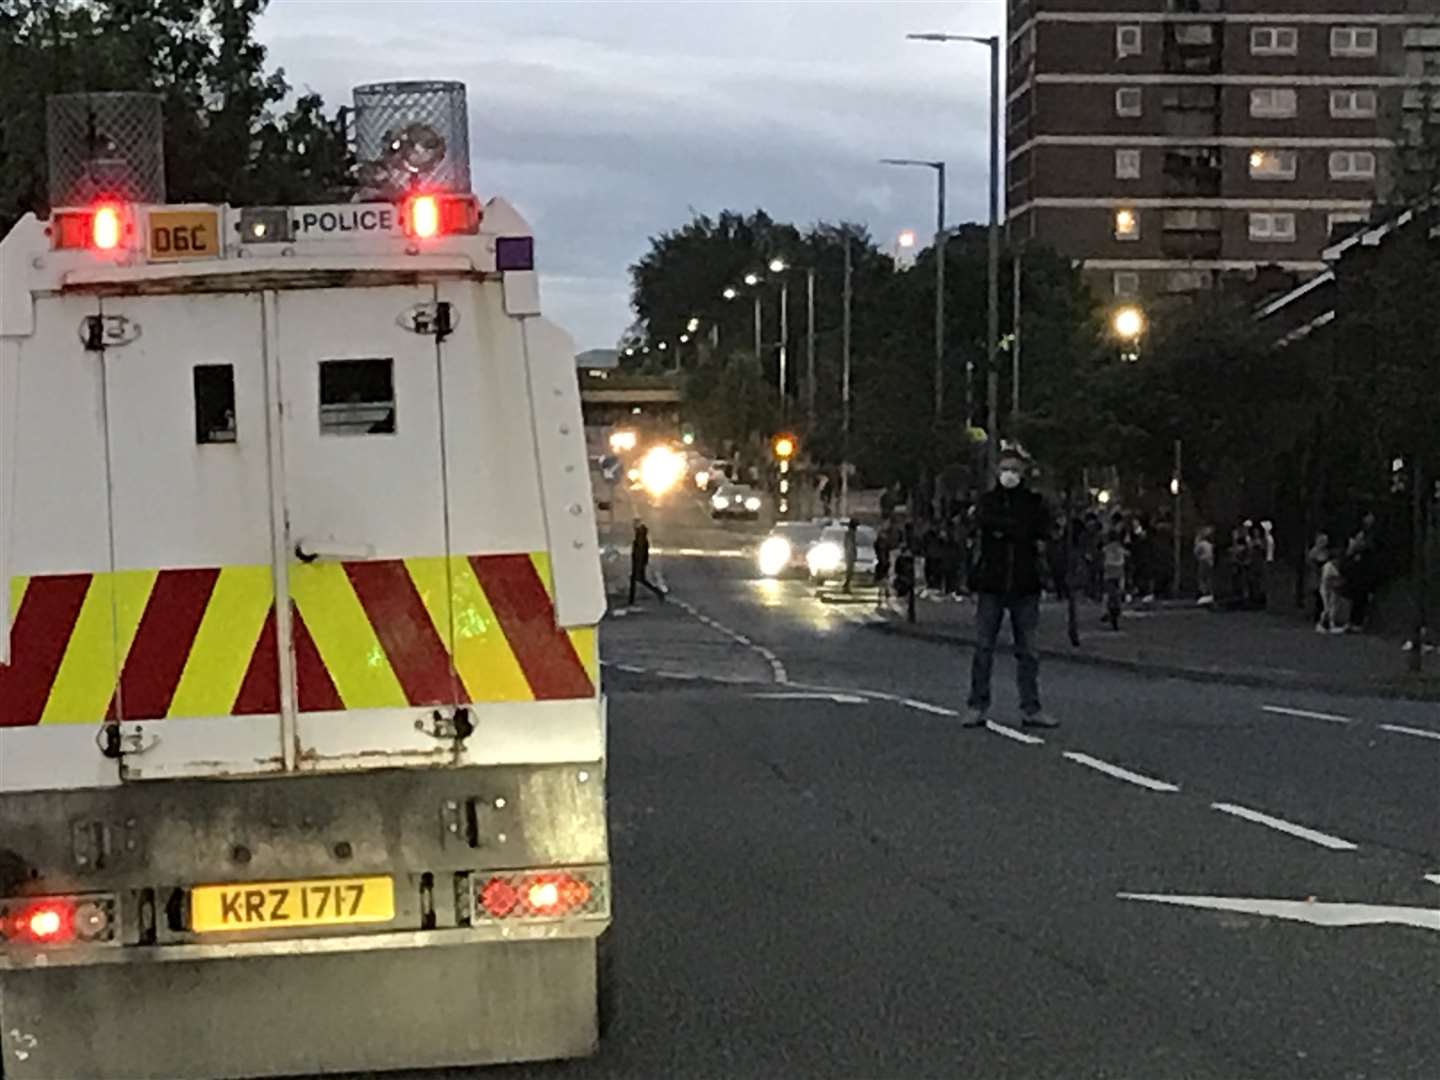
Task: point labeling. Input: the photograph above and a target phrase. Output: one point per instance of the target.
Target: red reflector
(539, 895)
(499, 897)
(424, 216)
(105, 230)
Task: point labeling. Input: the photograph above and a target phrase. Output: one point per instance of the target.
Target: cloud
(606, 123)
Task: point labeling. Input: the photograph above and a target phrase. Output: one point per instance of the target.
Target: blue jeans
(990, 609)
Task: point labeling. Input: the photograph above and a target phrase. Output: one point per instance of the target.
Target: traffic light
(784, 447)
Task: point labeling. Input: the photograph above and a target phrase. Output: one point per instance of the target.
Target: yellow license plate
(275, 905)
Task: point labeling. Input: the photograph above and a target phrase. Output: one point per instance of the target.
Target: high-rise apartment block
(1167, 142)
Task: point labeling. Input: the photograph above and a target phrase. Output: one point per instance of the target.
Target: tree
(225, 138)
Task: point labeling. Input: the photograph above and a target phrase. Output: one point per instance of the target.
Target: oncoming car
(826, 558)
(783, 551)
(735, 501)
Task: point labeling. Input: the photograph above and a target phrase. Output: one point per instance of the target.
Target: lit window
(1272, 164)
(1127, 224)
(1273, 227)
(1354, 41)
(1127, 164)
(1274, 41)
(1273, 102)
(1352, 165)
(1129, 41)
(1352, 104)
(1127, 283)
(1129, 101)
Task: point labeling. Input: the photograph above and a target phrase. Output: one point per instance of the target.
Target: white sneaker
(975, 718)
(1206, 600)
(1320, 628)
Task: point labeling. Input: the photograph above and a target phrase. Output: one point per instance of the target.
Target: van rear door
(370, 573)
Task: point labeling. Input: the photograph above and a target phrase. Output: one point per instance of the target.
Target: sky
(608, 122)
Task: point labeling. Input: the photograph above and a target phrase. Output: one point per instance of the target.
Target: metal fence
(412, 134)
(105, 146)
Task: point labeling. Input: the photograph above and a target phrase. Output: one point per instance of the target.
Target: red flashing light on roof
(98, 228)
(105, 228)
(423, 216)
(428, 216)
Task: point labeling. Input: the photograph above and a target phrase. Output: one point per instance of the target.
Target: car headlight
(824, 558)
(719, 502)
(774, 556)
(752, 503)
(702, 479)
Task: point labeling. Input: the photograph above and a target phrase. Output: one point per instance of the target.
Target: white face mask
(1009, 478)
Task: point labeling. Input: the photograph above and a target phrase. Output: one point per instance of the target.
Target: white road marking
(1334, 843)
(684, 675)
(1306, 911)
(1011, 733)
(1401, 729)
(1283, 710)
(925, 706)
(814, 695)
(1118, 773)
(777, 667)
(633, 669)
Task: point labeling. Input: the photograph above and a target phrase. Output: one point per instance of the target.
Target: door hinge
(458, 726)
(434, 319)
(101, 332)
(115, 741)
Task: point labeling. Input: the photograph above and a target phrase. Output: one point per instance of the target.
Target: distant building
(1165, 142)
(598, 363)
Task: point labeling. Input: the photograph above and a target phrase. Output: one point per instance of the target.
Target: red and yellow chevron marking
(148, 645)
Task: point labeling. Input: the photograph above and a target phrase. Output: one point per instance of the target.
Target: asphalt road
(818, 873)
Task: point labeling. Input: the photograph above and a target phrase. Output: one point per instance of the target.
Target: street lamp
(729, 293)
(939, 167)
(993, 324)
(1128, 323)
(752, 280)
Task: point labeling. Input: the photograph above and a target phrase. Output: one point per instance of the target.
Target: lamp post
(993, 313)
(939, 167)
(777, 266)
(752, 280)
(810, 345)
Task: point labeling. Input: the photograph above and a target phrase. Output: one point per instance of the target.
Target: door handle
(307, 552)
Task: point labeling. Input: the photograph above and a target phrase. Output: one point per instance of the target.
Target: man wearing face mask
(1012, 527)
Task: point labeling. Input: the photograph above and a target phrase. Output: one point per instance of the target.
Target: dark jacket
(1010, 530)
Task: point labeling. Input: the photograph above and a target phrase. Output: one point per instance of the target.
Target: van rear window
(357, 397)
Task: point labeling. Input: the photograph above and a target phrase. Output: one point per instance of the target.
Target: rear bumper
(426, 1005)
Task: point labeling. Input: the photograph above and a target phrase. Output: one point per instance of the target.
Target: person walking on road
(1011, 528)
(640, 563)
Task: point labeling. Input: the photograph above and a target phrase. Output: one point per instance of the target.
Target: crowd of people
(1120, 557)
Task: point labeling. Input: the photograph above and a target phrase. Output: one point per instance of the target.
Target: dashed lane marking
(778, 671)
(925, 706)
(1401, 729)
(1283, 710)
(1306, 911)
(814, 695)
(1118, 773)
(1334, 843)
(1012, 733)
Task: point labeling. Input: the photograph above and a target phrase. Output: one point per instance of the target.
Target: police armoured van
(302, 745)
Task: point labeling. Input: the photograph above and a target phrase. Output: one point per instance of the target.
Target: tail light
(541, 894)
(432, 215)
(58, 920)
